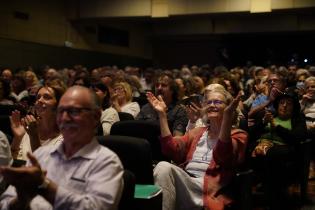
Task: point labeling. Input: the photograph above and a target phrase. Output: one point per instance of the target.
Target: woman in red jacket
(206, 157)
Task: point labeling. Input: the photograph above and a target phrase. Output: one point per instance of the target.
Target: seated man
(166, 87)
(276, 86)
(76, 174)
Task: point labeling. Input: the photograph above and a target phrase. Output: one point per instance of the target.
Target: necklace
(205, 156)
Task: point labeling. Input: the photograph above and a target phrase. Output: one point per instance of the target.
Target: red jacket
(226, 158)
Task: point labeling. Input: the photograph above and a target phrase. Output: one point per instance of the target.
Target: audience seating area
(137, 143)
(149, 130)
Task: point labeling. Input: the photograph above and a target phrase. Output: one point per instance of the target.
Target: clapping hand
(193, 112)
(16, 124)
(25, 179)
(30, 124)
(308, 96)
(230, 109)
(157, 103)
(268, 117)
(274, 93)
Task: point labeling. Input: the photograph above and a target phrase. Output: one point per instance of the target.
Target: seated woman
(109, 114)
(206, 157)
(308, 105)
(308, 108)
(286, 127)
(276, 146)
(39, 128)
(122, 99)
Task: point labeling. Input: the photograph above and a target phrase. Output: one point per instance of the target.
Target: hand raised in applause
(157, 103)
(30, 124)
(25, 179)
(274, 93)
(230, 109)
(17, 127)
(193, 111)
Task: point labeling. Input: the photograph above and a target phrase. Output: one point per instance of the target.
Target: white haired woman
(206, 157)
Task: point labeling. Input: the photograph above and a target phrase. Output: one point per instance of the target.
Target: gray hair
(309, 79)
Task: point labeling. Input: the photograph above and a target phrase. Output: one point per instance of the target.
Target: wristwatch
(44, 185)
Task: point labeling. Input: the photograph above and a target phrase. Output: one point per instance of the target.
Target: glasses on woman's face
(118, 89)
(73, 111)
(215, 102)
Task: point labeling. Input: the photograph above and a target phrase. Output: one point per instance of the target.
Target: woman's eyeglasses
(119, 89)
(215, 102)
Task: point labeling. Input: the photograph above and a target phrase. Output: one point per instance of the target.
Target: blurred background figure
(109, 114)
(121, 99)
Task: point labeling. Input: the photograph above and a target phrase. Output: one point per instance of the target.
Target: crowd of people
(212, 121)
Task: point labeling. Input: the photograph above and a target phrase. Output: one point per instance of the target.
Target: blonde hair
(127, 89)
(214, 86)
(35, 79)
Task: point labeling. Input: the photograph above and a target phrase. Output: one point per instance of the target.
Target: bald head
(7, 74)
(78, 115)
(82, 94)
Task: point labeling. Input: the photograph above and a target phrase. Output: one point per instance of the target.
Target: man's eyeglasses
(215, 102)
(276, 81)
(73, 111)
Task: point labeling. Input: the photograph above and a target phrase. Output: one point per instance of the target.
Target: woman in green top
(277, 146)
(286, 127)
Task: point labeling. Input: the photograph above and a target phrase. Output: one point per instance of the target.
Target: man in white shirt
(76, 174)
(5, 156)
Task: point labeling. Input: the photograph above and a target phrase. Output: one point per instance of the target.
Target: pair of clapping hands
(194, 110)
(268, 117)
(20, 125)
(25, 179)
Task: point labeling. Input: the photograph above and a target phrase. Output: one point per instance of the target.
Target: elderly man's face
(275, 81)
(76, 116)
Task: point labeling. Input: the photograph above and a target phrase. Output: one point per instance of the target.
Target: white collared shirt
(90, 179)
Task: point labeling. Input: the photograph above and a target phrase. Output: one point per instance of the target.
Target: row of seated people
(206, 156)
(280, 144)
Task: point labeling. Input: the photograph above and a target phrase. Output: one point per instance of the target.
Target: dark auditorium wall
(259, 48)
(258, 37)
(17, 54)
(35, 33)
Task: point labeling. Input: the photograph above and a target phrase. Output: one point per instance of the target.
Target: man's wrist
(42, 188)
(19, 203)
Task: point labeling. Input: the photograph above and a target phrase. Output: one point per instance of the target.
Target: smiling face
(77, 115)
(214, 104)
(46, 102)
(310, 87)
